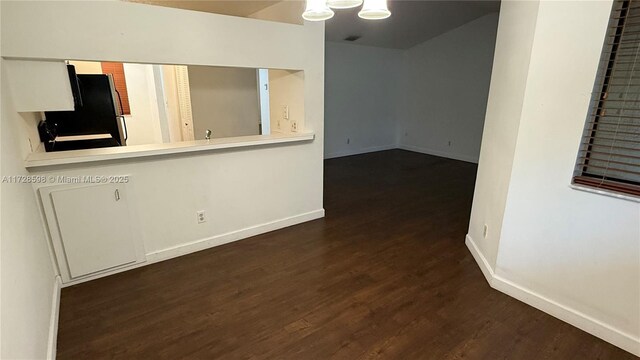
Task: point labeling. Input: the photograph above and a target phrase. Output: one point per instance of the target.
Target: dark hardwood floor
(385, 275)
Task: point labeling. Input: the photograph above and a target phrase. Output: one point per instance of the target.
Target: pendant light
(344, 4)
(374, 10)
(317, 10)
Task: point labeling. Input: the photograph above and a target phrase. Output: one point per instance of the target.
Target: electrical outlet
(485, 231)
(285, 112)
(294, 126)
(348, 141)
(202, 216)
(449, 142)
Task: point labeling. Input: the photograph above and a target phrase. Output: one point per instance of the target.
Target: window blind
(609, 155)
(116, 69)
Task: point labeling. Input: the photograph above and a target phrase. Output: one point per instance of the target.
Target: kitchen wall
(573, 254)
(363, 95)
(224, 100)
(27, 274)
(143, 125)
(172, 103)
(87, 67)
(222, 183)
(286, 89)
(447, 85)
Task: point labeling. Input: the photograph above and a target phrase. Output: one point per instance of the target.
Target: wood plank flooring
(385, 275)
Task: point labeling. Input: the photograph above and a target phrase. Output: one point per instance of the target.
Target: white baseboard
(439, 153)
(53, 322)
(565, 313)
(417, 149)
(202, 244)
(232, 236)
(359, 151)
(487, 271)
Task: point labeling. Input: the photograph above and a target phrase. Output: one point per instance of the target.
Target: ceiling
(412, 22)
(234, 8)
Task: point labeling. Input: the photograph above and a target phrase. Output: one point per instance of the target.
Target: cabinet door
(95, 228)
(39, 85)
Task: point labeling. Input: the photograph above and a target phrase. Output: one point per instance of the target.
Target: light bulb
(317, 10)
(344, 4)
(374, 10)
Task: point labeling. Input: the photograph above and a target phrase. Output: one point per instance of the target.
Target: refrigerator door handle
(124, 127)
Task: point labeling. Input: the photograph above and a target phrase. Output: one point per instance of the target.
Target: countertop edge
(48, 159)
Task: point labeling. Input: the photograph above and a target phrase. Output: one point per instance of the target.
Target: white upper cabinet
(38, 85)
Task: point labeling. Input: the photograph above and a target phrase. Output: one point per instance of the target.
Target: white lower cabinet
(91, 229)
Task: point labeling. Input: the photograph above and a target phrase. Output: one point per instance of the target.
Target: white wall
(362, 90)
(285, 88)
(263, 96)
(430, 98)
(446, 91)
(143, 125)
(508, 79)
(27, 274)
(169, 190)
(172, 103)
(571, 253)
(87, 67)
(224, 100)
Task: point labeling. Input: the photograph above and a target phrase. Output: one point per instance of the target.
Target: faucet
(207, 134)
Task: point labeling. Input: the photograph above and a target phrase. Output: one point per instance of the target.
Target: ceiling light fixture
(344, 4)
(374, 10)
(317, 10)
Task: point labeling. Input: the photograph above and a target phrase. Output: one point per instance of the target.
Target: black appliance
(96, 121)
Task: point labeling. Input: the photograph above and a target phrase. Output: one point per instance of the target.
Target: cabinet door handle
(117, 194)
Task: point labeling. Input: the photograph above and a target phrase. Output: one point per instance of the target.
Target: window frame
(581, 178)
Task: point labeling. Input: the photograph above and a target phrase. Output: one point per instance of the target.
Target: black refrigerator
(97, 120)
